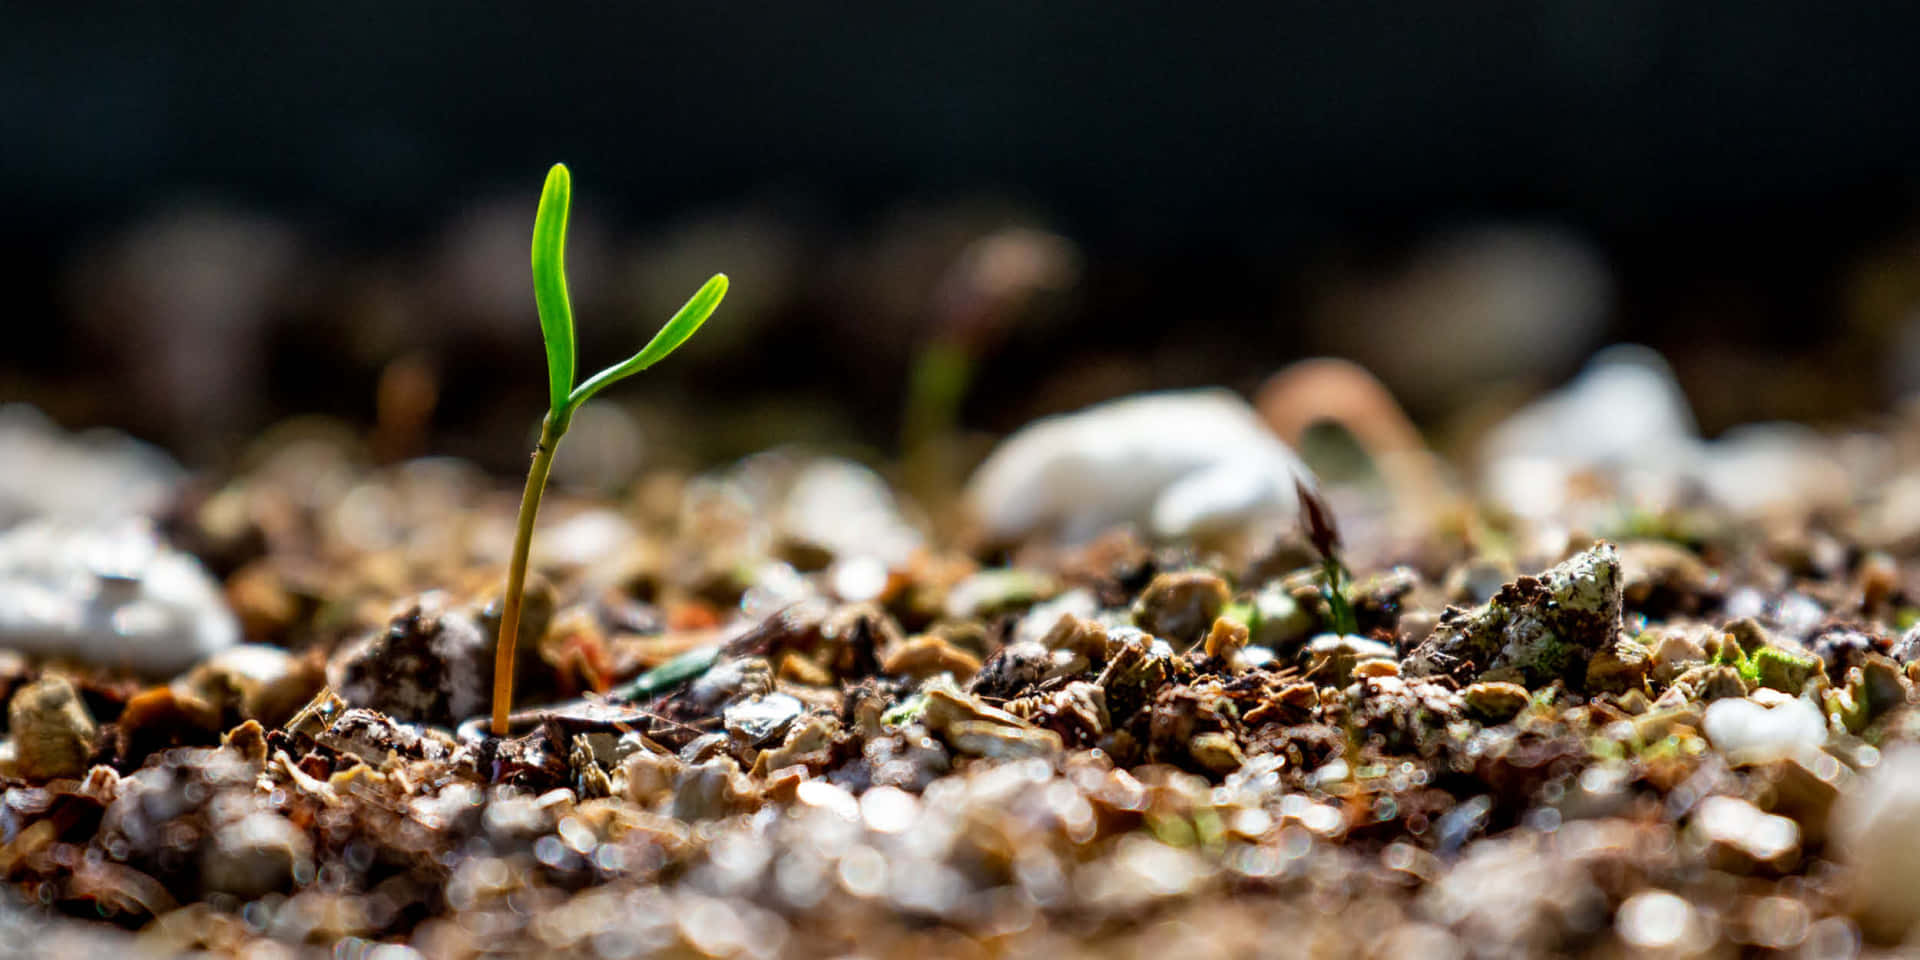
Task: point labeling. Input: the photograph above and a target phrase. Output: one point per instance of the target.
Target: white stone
(1655, 920)
(1625, 418)
(586, 538)
(1179, 463)
(1625, 413)
(254, 661)
(849, 510)
(99, 473)
(1757, 466)
(1744, 834)
(1752, 732)
(111, 595)
(1624, 407)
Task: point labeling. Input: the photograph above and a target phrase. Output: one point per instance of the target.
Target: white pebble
(1653, 920)
(1751, 732)
(1179, 463)
(109, 595)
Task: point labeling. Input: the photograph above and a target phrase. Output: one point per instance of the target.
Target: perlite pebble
(1750, 732)
(1624, 411)
(110, 595)
(1656, 920)
(1181, 463)
(1740, 837)
(78, 477)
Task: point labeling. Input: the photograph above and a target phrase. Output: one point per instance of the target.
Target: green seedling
(1317, 519)
(935, 388)
(565, 398)
(999, 280)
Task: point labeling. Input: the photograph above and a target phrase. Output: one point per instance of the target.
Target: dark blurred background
(218, 215)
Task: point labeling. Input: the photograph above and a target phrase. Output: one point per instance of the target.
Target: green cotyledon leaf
(684, 324)
(550, 283)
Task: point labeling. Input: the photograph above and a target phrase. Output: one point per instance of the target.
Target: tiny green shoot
(1317, 519)
(565, 397)
(935, 389)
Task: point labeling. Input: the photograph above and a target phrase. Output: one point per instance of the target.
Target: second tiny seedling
(556, 328)
(1317, 520)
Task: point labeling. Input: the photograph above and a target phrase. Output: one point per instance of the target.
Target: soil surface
(1606, 732)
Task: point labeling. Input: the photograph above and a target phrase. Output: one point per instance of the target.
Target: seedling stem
(1317, 520)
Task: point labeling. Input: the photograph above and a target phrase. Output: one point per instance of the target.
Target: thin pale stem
(1344, 621)
(509, 639)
